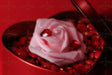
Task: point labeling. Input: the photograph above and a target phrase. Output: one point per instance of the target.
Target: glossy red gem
(90, 27)
(61, 69)
(74, 45)
(89, 62)
(46, 33)
(92, 55)
(95, 37)
(46, 65)
(87, 67)
(102, 43)
(97, 54)
(68, 68)
(96, 44)
(72, 72)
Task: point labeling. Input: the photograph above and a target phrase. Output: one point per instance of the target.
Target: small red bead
(95, 37)
(72, 72)
(46, 65)
(89, 62)
(61, 69)
(87, 67)
(96, 44)
(102, 43)
(82, 27)
(54, 68)
(46, 33)
(79, 68)
(92, 55)
(90, 27)
(76, 66)
(20, 52)
(90, 33)
(74, 45)
(68, 68)
(97, 54)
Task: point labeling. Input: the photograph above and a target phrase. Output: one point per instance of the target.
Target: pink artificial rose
(54, 45)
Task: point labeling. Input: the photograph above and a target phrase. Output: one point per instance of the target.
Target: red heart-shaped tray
(16, 11)
(17, 37)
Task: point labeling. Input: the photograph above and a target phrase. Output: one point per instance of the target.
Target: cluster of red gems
(91, 38)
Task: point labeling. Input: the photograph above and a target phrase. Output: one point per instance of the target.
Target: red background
(14, 11)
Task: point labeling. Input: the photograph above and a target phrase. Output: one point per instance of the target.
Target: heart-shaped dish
(17, 37)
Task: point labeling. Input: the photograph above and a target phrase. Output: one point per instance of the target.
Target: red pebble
(102, 43)
(68, 68)
(62, 71)
(92, 55)
(74, 45)
(54, 68)
(89, 62)
(87, 67)
(20, 52)
(82, 28)
(90, 33)
(46, 65)
(33, 55)
(72, 72)
(95, 37)
(79, 68)
(46, 33)
(30, 61)
(97, 54)
(90, 27)
(92, 63)
(96, 44)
